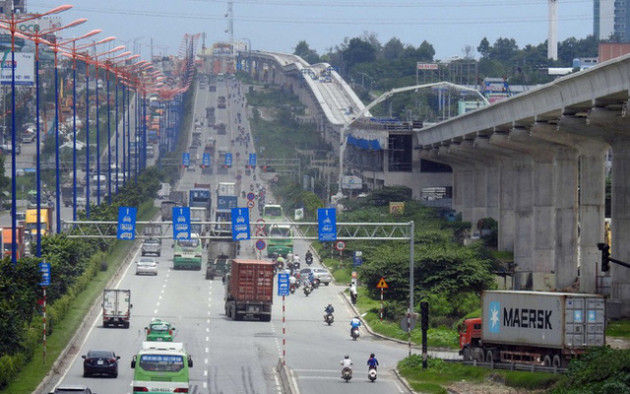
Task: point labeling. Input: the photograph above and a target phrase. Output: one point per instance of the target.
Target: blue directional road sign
(206, 160)
(228, 159)
(283, 284)
(126, 223)
(44, 268)
(240, 224)
(327, 224)
(357, 260)
(252, 159)
(181, 223)
(186, 159)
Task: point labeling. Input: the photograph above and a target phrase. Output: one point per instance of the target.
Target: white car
(146, 266)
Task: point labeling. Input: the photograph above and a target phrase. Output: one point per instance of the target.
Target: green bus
(161, 367)
(188, 253)
(280, 241)
(273, 213)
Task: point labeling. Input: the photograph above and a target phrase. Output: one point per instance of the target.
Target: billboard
(24, 69)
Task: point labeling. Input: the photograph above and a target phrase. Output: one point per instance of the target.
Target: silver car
(151, 246)
(318, 273)
(146, 266)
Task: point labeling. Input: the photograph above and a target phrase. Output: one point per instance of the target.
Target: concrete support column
(503, 183)
(462, 179)
(523, 214)
(620, 225)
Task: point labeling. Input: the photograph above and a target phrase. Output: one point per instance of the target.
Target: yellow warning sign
(382, 284)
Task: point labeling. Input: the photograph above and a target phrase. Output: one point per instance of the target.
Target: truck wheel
(556, 361)
(467, 353)
(547, 360)
(489, 356)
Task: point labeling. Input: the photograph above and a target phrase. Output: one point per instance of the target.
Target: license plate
(100, 362)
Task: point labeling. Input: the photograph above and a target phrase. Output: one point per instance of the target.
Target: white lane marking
(207, 329)
(98, 318)
(205, 361)
(207, 339)
(155, 312)
(207, 350)
(275, 376)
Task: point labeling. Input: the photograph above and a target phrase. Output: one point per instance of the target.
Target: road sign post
(44, 268)
(240, 224)
(181, 223)
(283, 290)
(327, 224)
(382, 285)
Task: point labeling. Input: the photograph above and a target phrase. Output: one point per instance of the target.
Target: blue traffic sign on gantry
(240, 224)
(126, 223)
(206, 160)
(186, 159)
(283, 284)
(228, 159)
(327, 224)
(252, 159)
(181, 223)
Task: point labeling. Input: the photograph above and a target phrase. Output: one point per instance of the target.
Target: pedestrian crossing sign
(382, 284)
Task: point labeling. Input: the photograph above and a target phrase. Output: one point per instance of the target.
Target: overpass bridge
(534, 162)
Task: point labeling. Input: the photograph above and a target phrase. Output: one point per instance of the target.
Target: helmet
(346, 356)
(372, 355)
(280, 259)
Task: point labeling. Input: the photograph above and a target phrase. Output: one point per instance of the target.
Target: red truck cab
(469, 333)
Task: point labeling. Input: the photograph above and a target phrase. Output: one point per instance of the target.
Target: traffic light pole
(606, 259)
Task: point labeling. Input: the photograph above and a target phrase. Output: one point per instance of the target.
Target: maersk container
(543, 319)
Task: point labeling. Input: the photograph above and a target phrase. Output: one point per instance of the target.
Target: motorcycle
(308, 259)
(292, 288)
(346, 374)
(329, 318)
(355, 333)
(307, 290)
(372, 374)
(316, 283)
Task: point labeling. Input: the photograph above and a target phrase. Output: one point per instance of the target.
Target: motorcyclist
(280, 262)
(296, 259)
(346, 363)
(372, 362)
(353, 293)
(329, 309)
(355, 323)
(309, 256)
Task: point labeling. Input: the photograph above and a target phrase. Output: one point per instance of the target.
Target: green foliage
(601, 370)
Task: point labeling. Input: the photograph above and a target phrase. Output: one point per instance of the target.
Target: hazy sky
(278, 25)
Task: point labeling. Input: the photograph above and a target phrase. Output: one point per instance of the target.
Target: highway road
(237, 356)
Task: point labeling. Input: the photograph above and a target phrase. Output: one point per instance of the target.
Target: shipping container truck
(200, 196)
(6, 240)
(116, 307)
(220, 254)
(529, 327)
(180, 197)
(249, 289)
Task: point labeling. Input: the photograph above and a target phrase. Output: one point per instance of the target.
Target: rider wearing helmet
(355, 323)
(372, 362)
(345, 363)
(329, 309)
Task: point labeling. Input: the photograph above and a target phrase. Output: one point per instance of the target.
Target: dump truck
(221, 102)
(166, 208)
(67, 192)
(530, 327)
(180, 197)
(220, 254)
(249, 289)
(6, 240)
(116, 307)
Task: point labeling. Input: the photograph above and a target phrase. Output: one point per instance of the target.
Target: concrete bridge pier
(505, 182)
(589, 154)
(524, 213)
(462, 181)
(485, 181)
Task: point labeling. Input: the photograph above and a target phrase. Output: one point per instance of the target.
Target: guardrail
(511, 366)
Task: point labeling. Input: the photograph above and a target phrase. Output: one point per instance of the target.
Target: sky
(278, 25)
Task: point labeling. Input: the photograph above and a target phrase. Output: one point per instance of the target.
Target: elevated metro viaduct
(536, 164)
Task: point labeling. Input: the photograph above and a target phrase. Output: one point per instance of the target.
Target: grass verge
(63, 330)
(440, 374)
(618, 328)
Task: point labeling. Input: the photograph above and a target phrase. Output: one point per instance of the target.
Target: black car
(100, 362)
(73, 389)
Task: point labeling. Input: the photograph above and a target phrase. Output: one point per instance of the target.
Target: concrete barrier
(289, 385)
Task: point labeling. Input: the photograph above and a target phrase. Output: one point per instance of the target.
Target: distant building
(611, 50)
(611, 18)
(19, 6)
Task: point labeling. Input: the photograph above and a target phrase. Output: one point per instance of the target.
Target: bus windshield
(280, 231)
(161, 363)
(272, 211)
(188, 243)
